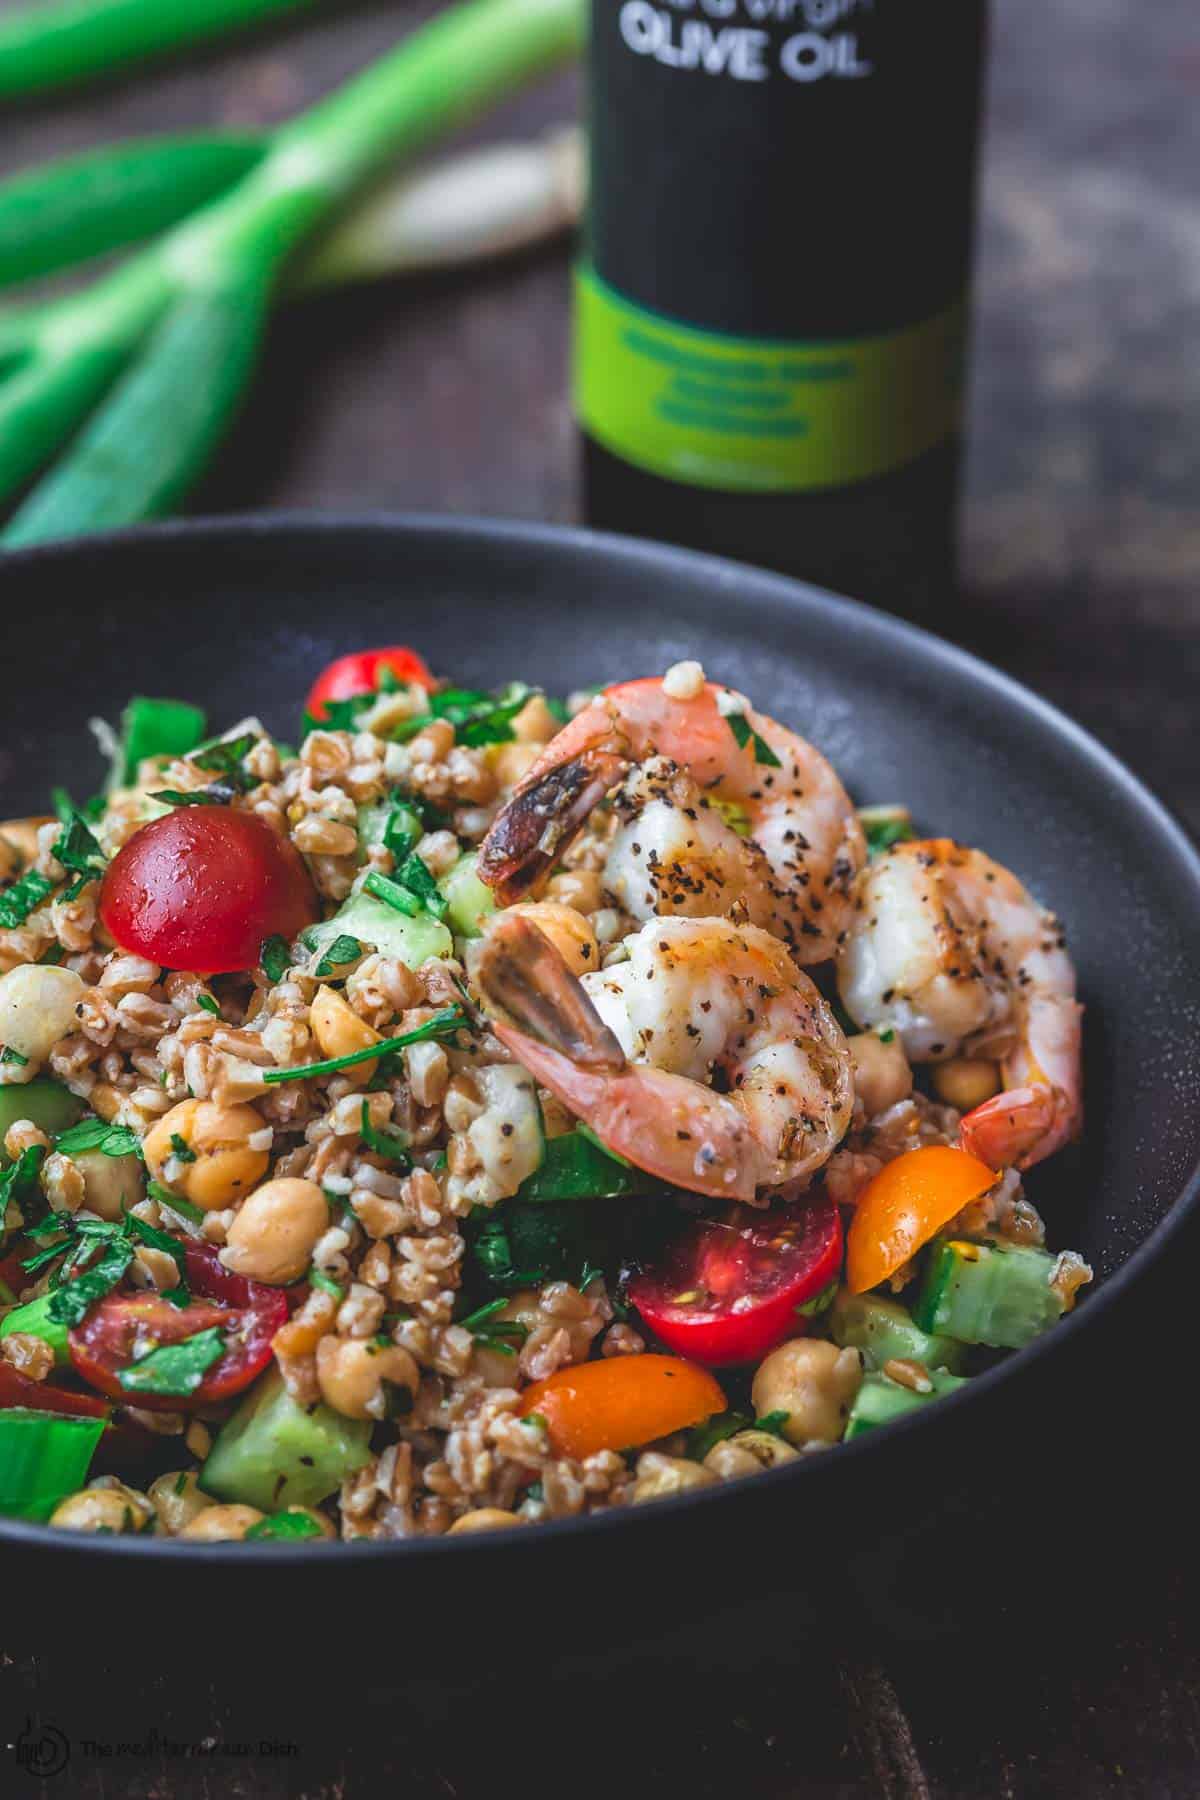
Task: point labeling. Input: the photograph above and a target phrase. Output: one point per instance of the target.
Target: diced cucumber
(274, 1453)
(883, 1329)
(470, 900)
(47, 1103)
(33, 1320)
(880, 1400)
(413, 941)
(988, 1294)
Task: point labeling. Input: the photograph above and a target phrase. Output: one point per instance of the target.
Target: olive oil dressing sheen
(771, 312)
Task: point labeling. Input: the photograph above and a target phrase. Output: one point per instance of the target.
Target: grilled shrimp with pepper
(693, 762)
(633, 1050)
(951, 951)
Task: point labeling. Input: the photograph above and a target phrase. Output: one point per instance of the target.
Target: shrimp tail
(533, 996)
(1016, 1129)
(659, 1121)
(649, 1117)
(542, 818)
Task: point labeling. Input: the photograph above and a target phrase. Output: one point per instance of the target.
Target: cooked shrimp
(950, 950)
(632, 1049)
(689, 761)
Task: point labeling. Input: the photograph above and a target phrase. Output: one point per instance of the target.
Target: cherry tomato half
(203, 887)
(621, 1401)
(728, 1290)
(361, 673)
(248, 1313)
(905, 1205)
(46, 1396)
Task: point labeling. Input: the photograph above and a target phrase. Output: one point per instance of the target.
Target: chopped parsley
(443, 1024)
(71, 1301)
(284, 1528)
(390, 1144)
(13, 1058)
(477, 717)
(715, 1431)
(98, 1134)
(193, 1214)
(884, 826)
(175, 1369)
(19, 1176)
(417, 877)
(78, 851)
(275, 958)
(745, 734)
(402, 831)
(773, 1423)
(343, 951)
(181, 1150)
(216, 795)
(225, 759)
(24, 897)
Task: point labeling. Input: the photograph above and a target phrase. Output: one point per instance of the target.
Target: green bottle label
(755, 415)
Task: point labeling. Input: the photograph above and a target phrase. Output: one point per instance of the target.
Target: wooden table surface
(1082, 547)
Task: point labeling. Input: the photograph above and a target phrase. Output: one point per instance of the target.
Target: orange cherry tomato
(905, 1205)
(621, 1401)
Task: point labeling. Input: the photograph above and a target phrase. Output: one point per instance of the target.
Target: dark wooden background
(1081, 565)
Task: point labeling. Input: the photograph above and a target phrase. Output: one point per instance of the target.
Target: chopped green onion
(13, 1058)
(207, 1004)
(392, 894)
(43, 1458)
(392, 1145)
(442, 1024)
(417, 877)
(319, 1279)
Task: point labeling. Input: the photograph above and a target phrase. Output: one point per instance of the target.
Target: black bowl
(240, 615)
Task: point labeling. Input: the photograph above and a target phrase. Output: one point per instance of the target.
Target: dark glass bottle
(772, 308)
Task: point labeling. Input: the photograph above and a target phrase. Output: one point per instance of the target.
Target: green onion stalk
(195, 303)
(63, 42)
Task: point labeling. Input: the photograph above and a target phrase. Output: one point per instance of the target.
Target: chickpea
(340, 1032)
(567, 930)
(814, 1383)
(218, 1524)
(37, 1008)
(225, 1167)
(882, 1076)
(512, 762)
(274, 1234)
(177, 1498)
(111, 1184)
(966, 1082)
(658, 1476)
(485, 1518)
(535, 723)
(111, 1507)
(22, 835)
(355, 1375)
(748, 1453)
(581, 888)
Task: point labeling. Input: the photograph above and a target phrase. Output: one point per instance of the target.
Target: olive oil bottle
(772, 306)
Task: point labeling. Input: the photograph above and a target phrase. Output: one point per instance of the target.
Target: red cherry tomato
(203, 887)
(46, 1396)
(361, 673)
(727, 1291)
(248, 1313)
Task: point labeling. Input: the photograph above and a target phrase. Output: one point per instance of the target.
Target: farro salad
(500, 1109)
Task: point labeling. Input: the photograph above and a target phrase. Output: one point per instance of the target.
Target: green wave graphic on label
(761, 416)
